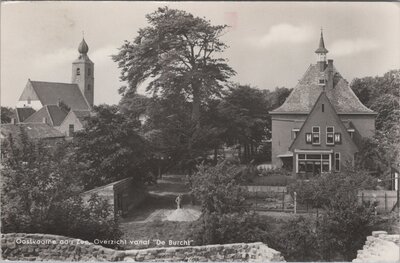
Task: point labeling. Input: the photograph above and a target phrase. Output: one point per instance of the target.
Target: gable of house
(323, 115)
(74, 121)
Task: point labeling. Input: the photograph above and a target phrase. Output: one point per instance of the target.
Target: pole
(295, 202)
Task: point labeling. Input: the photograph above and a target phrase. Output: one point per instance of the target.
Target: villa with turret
(49, 107)
(319, 126)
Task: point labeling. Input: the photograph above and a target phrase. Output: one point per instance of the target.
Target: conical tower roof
(321, 48)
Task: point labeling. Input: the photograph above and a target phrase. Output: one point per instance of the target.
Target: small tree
(111, 148)
(218, 189)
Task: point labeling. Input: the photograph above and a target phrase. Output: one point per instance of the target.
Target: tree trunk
(196, 105)
(215, 155)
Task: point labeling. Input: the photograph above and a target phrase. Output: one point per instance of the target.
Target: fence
(276, 198)
(385, 200)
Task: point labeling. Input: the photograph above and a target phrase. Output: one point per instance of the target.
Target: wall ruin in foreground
(380, 247)
(20, 246)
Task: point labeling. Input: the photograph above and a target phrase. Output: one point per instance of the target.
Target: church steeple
(83, 72)
(321, 53)
(83, 47)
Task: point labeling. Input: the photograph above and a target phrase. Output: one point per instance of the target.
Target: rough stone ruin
(39, 247)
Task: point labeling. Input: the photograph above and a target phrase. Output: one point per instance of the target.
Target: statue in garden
(178, 201)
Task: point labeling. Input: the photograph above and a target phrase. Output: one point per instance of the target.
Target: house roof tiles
(33, 130)
(53, 114)
(307, 91)
(23, 113)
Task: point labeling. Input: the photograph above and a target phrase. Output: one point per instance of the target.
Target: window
(325, 166)
(308, 138)
(315, 135)
(78, 71)
(302, 167)
(89, 87)
(313, 163)
(321, 82)
(337, 162)
(338, 137)
(89, 71)
(71, 129)
(323, 107)
(330, 130)
(295, 132)
(351, 132)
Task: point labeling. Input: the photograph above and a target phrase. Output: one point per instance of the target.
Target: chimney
(13, 121)
(44, 120)
(330, 74)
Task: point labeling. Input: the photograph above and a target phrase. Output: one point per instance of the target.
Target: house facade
(51, 102)
(319, 126)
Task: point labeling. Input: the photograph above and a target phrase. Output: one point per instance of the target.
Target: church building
(60, 105)
(319, 126)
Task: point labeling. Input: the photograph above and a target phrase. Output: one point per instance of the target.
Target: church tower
(321, 53)
(83, 72)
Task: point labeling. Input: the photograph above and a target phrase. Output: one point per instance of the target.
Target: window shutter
(338, 137)
(308, 138)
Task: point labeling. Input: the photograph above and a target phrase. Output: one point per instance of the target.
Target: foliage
(297, 240)
(111, 148)
(7, 114)
(369, 89)
(177, 53)
(214, 228)
(320, 191)
(343, 228)
(39, 195)
(218, 188)
(224, 217)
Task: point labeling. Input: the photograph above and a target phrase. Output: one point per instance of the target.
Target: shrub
(39, 195)
(214, 228)
(296, 240)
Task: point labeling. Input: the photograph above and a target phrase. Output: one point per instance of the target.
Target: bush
(296, 240)
(39, 195)
(214, 228)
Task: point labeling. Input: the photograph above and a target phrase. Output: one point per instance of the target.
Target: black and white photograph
(207, 131)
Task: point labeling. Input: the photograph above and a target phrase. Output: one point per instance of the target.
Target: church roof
(307, 91)
(53, 114)
(50, 93)
(23, 113)
(33, 130)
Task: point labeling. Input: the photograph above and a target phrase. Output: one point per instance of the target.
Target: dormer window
(78, 71)
(351, 132)
(295, 132)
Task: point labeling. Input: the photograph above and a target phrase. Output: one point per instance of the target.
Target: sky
(271, 44)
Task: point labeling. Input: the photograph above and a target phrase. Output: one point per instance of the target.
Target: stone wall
(380, 247)
(30, 247)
